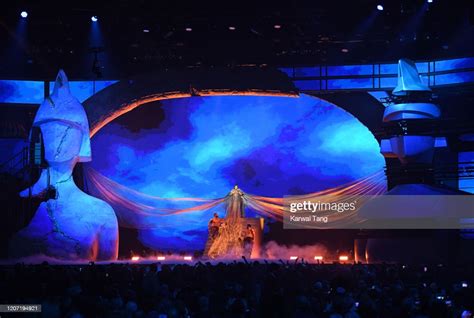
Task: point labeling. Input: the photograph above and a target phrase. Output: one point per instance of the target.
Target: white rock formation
(73, 225)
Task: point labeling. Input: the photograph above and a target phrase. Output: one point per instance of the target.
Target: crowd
(240, 289)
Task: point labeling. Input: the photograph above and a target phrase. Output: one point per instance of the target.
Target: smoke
(41, 258)
(274, 251)
(270, 251)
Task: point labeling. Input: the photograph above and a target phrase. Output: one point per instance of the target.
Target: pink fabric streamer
(130, 204)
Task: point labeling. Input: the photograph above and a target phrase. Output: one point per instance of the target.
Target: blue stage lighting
(94, 18)
(430, 1)
(24, 14)
(380, 7)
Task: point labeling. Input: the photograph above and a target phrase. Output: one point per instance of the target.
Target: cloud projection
(203, 146)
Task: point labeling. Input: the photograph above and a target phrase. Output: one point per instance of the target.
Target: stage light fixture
(318, 258)
(430, 1)
(188, 258)
(189, 29)
(24, 14)
(343, 258)
(146, 31)
(232, 28)
(344, 50)
(161, 258)
(380, 7)
(135, 258)
(277, 26)
(94, 18)
(293, 258)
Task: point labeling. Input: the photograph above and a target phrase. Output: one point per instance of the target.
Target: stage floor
(171, 260)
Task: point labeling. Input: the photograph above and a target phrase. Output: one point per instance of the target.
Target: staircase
(15, 175)
(16, 167)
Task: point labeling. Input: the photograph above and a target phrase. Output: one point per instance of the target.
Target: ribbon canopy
(142, 211)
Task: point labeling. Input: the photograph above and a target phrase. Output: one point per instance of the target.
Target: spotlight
(344, 50)
(380, 7)
(94, 18)
(232, 28)
(188, 258)
(318, 258)
(430, 1)
(135, 258)
(293, 258)
(277, 26)
(146, 31)
(161, 258)
(343, 258)
(188, 29)
(24, 14)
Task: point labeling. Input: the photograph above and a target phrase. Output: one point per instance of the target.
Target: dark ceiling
(135, 36)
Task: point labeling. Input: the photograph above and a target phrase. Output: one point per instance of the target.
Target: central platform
(241, 225)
